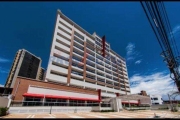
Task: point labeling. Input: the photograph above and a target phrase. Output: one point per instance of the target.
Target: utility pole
(170, 101)
(50, 109)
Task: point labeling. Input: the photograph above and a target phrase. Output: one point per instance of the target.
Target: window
(155, 98)
(32, 101)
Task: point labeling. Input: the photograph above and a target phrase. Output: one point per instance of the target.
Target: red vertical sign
(99, 94)
(103, 45)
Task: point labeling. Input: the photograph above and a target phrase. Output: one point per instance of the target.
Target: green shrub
(163, 108)
(107, 110)
(3, 111)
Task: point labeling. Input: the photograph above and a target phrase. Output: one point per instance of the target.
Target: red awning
(54, 96)
(75, 98)
(93, 100)
(33, 95)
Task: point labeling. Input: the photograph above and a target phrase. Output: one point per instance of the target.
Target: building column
(70, 57)
(43, 100)
(67, 102)
(85, 103)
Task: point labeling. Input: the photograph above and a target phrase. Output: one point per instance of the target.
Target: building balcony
(89, 43)
(61, 39)
(78, 50)
(108, 73)
(78, 55)
(99, 63)
(92, 72)
(90, 59)
(77, 75)
(90, 66)
(76, 34)
(62, 33)
(78, 45)
(115, 79)
(93, 77)
(99, 67)
(78, 67)
(100, 79)
(108, 66)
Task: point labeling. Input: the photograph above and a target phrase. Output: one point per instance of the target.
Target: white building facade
(156, 99)
(76, 60)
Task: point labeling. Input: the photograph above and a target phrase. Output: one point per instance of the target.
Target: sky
(30, 25)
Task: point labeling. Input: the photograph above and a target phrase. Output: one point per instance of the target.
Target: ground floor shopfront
(29, 92)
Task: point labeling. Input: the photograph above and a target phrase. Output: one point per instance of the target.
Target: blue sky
(30, 25)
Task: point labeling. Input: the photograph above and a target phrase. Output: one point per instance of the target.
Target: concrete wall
(4, 101)
(55, 109)
(157, 107)
(97, 108)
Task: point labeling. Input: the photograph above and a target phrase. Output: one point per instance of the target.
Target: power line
(158, 19)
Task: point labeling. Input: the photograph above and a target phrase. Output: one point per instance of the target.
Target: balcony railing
(78, 35)
(99, 62)
(116, 84)
(77, 39)
(77, 73)
(109, 82)
(89, 42)
(99, 73)
(100, 80)
(91, 77)
(107, 71)
(90, 64)
(116, 79)
(78, 51)
(80, 66)
(89, 70)
(78, 46)
(110, 77)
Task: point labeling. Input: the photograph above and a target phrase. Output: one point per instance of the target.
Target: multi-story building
(25, 64)
(41, 73)
(82, 70)
(156, 99)
(86, 61)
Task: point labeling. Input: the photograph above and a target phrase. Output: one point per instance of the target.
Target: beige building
(25, 64)
(41, 73)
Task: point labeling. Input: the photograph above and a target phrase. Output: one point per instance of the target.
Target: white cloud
(138, 62)
(157, 83)
(2, 70)
(131, 53)
(176, 30)
(1, 85)
(3, 60)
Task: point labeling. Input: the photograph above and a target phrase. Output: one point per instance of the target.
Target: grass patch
(107, 111)
(163, 108)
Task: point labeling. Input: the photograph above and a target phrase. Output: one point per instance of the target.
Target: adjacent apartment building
(87, 61)
(25, 64)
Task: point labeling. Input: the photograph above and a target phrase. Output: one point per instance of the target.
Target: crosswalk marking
(120, 116)
(76, 116)
(28, 116)
(98, 116)
(32, 116)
